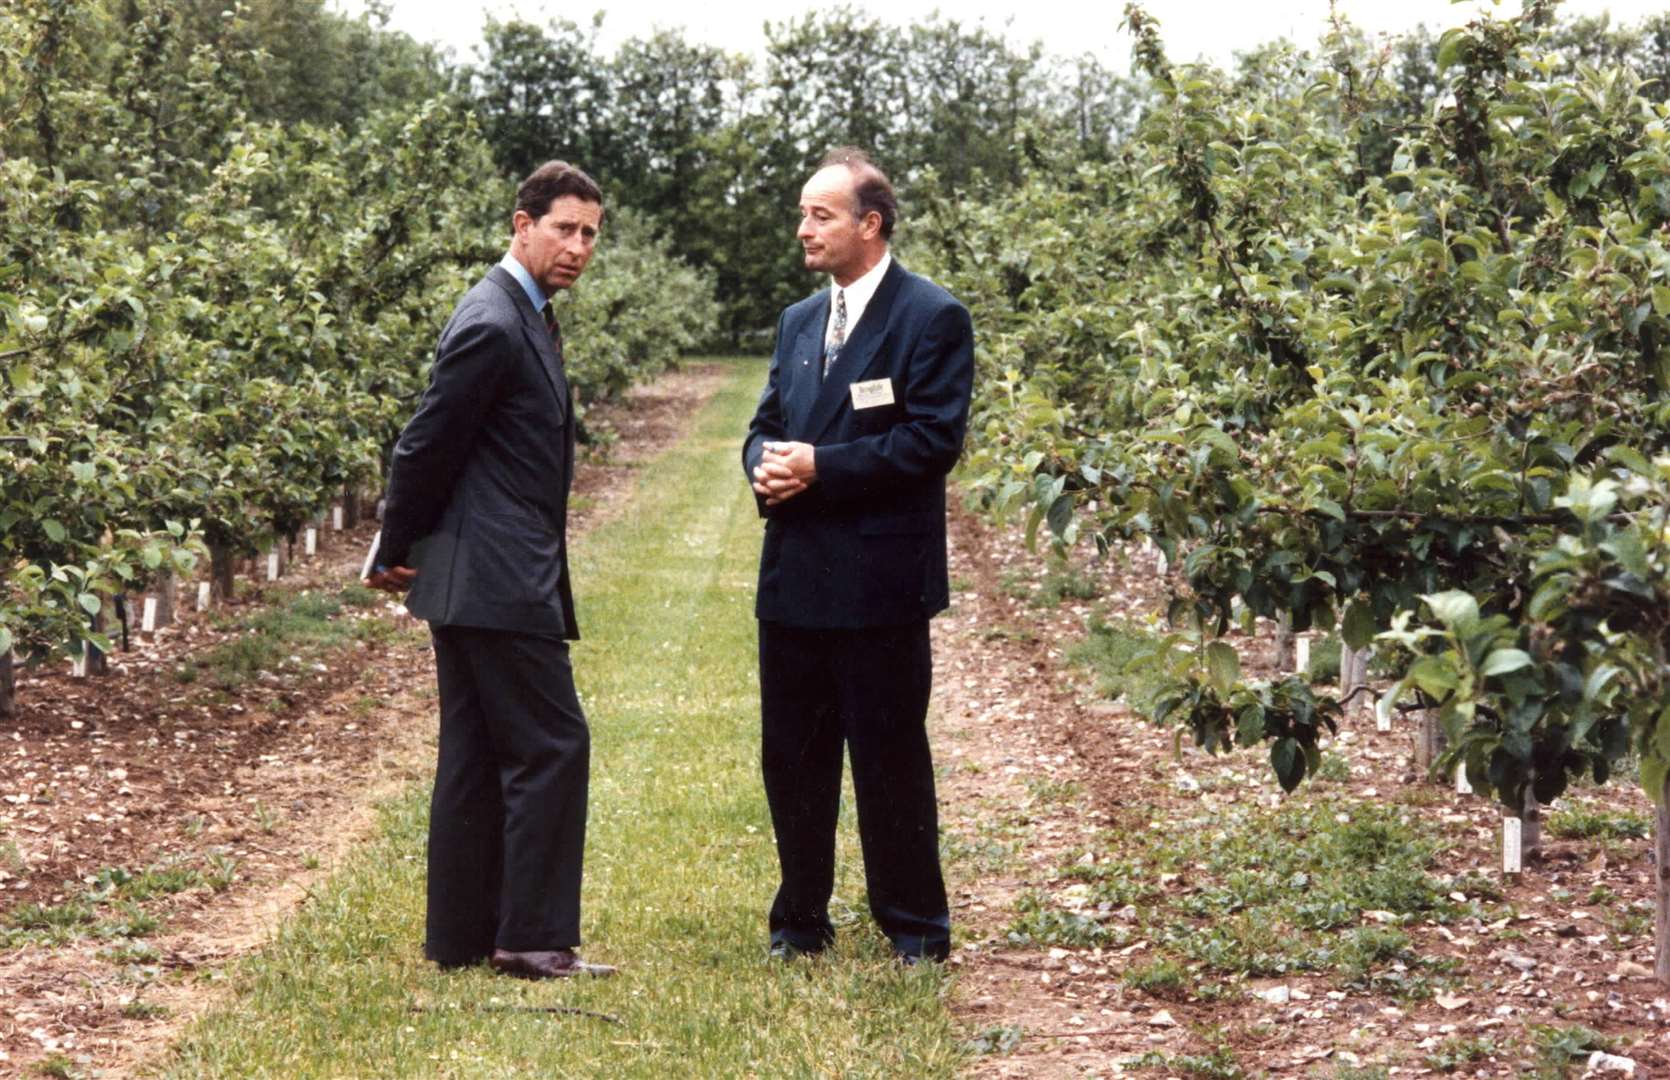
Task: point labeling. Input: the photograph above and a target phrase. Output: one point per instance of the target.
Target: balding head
(872, 191)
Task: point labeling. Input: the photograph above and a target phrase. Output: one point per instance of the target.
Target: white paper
(371, 555)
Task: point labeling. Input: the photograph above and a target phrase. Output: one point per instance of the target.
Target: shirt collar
(536, 296)
(860, 291)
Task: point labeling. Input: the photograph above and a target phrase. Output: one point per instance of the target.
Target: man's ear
(870, 225)
(518, 221)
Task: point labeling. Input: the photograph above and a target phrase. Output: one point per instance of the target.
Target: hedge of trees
(1362, 355)
(219, 291)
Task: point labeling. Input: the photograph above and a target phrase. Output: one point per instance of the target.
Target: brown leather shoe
(560, 964)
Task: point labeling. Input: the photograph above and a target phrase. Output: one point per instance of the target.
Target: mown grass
(680, 865)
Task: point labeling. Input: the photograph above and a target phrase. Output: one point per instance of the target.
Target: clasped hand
(785, 470)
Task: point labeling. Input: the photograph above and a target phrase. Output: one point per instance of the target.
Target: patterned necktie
(837, 333)
(549, 311)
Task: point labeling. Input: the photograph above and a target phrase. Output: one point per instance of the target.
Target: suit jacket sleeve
(469, 368)
(938, 383)
(767, 425)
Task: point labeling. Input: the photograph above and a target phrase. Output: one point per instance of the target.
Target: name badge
(867, 395)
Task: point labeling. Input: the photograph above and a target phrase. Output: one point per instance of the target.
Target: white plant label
(336, 518)
(1511, 830)
(313, 541)
(203, 593)
(78, 666)
(1301, 655)
(148, 621)
(1462, 786)
(272, 566)
(1383, 712)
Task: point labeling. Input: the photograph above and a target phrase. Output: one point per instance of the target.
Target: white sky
(1192, 28)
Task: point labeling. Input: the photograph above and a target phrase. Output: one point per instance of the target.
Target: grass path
(679, 864)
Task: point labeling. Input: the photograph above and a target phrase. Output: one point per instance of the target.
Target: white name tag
(867, 395)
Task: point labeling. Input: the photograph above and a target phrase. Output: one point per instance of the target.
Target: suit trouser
(507, 821)
(868, 689)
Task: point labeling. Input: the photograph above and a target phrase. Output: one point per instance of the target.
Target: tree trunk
(8, 687)
(168, 598)
(1353, 673)
(1285, 648)
(1531, 831)
(221, 567)
(1661, 867)
(1430, 742)
(97, 662)
(350, 507)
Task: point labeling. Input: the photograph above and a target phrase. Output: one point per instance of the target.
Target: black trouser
(869, 689)
(507, 823)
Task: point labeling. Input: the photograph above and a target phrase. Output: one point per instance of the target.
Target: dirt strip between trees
(1039, 772)
(156, 826)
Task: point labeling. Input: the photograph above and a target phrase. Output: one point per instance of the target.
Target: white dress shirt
(858, 296)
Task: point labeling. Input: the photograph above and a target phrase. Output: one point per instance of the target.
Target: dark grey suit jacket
(478, 489)
(865, 544)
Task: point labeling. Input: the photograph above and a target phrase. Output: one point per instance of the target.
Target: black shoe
(782, 950)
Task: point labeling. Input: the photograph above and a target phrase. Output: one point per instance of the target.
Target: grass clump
(1037, 922)
(1162, 979)
(1117, 651)
(306, 625)
(1578, 820)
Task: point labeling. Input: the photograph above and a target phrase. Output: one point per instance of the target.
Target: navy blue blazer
(864, 545)
(477, 496)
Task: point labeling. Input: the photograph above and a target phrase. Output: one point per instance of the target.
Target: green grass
(679, 869)
(1270, 892)
(1580, 820)
(1113, 649)
(305, 625)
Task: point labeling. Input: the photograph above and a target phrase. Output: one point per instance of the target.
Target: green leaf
(89, 603)
(1654, 771)
(1433, 675)
(1224, 663)
(1357, 628)
(5, 641)
(1060, 513)
(54, 530)
(1455, 609)
(1288, 759)
(1449, 49)
(1502, 661)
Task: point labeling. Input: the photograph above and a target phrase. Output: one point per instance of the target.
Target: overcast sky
(1192, 28)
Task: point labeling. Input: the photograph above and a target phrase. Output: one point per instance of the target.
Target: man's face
(835, 239)
(556, 247)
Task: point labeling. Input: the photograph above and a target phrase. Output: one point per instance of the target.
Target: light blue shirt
(535, 297)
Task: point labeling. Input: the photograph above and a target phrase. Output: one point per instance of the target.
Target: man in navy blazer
(476, 526)
(862, 417)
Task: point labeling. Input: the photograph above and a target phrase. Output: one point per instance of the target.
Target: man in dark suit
(862, 418)
(476, 526)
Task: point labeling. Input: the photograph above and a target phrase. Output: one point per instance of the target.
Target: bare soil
(1032, 756)
(260, 789)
